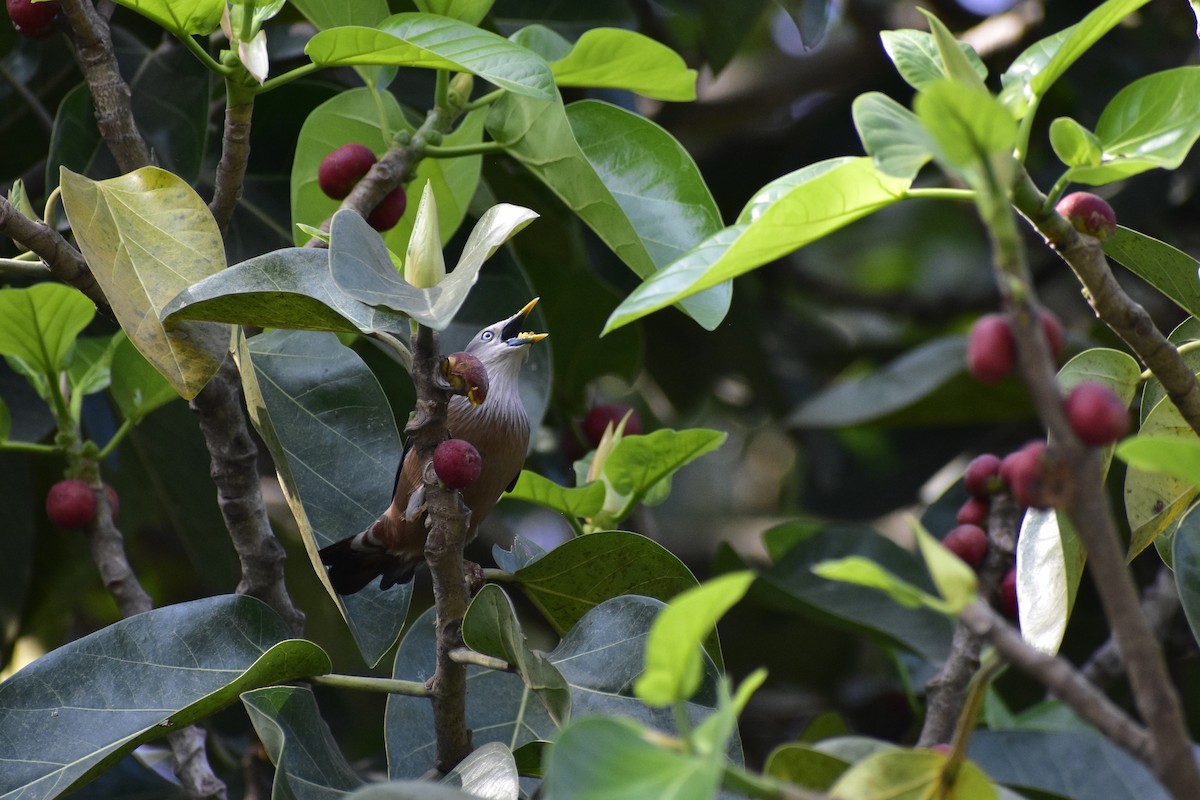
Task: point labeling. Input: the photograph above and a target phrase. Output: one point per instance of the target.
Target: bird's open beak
(513, 336)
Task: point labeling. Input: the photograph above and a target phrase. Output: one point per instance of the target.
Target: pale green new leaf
(1169, 455)
(784, 216)
(955, 580)
(180, 17)
(147, 236)
(430, 41)
(968, 124)
(862, 571)
(1074, 144)
(957, 65)
(615, 58)
(674, 666)
(915, 54)
(39, 324)
(575, 502)
(892, 135)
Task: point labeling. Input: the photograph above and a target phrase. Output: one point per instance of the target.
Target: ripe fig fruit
(982, 476)
(1088, 214)
(1024, 473)
(599, 417)
(991, 350)
(1008, 594)
(1096, 414)
(33, 20)
(389, 211)
(968, 542)
(457, 463)
(974, 512)
(71, 504)
(467, 376)
(343, 168)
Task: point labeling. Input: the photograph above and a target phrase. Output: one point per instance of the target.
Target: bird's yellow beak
(512, 334)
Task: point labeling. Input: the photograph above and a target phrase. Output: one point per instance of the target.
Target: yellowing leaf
(147, 236)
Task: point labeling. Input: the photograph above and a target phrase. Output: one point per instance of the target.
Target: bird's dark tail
(352, 566)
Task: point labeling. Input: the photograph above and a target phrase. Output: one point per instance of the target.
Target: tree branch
(110, 94)
(1160, 602)
(235, 153)
(447, 518)
(64, 261)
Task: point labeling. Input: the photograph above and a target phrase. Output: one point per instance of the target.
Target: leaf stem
(28, 447)
(288, 77)
(484, 100)
(939, 194)
(442, 89)
(205, 59)
(125, 428)
(1183, 349)
(370, 684)
(465, 655)
(482, 148)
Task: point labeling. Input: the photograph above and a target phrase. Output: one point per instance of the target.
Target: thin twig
(64, 261)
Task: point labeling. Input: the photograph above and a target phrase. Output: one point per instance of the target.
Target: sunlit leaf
(1166, 268)
(39, 324)
(892, 135)
(916, 57)
(180, 17)
(616, 58)
(911, 775)
(1154, 500)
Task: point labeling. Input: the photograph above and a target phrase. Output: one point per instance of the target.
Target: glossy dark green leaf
(1079, 764)
(1147, 125)
(599, 179)
(308, 763)
(75, 141)
(583, 572)
(434, 42)
(783, 216)
(1166, 268)
(137, 387)
(916, 57)
(600, 758)
(362, 268)
(290, 288)
(790, 585)
(75, 711)
(615, 58)
(335, 444)
(1185, 559)
(892, 135)
(1040, 65)
(491, 627)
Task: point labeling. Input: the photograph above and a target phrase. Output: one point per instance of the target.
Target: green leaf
(615, 58)
(618, 172)
(911, 775)
(325, 14)
(147, 236)
(638, 463)
(968, 124)
(1040, 65)
(1185, 554)
(955, 581)
(91, 367)
(1154, 500)
(861, 571)
(74, 712)
(1153, 392)
(39, 324)
(791, 587)
(1169, 455)
(363, 269)
(489, 771)
(5, 421)
(579, 502)
(958, 66)
(491, 627)
(583, 572)
(892, 135)
(1050, 561)
(468, 11)
(298, 742)
(1147, 125)
(804, 766)
(1171, 271)
(600, 758)
(1074, 144)
(783, 216)
(674, 668)
(290, 288)
(915, 54)
(137, 387)
(372, 118)
(180, 17)
(434, 42)
(328, 426)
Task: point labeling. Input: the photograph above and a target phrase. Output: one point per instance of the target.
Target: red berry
(991, 349)
(389, 211)
(114, 501)
(33, 20)
(457, 463)
(968, 542)
(1025, 474)
(982, 476)
(973, 512)
(467, 376)
(343, 168)
(1088, 214)
(71, 504)
(1008, 594)
(1053, 331)
(1096, 413)
(599, 417)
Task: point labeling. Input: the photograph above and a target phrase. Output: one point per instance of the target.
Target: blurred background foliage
(837, 372)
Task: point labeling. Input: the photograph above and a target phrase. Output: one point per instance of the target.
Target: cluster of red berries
(71, 503)
(33, 20)
(992, 348)
(344, 167)
(986, 476)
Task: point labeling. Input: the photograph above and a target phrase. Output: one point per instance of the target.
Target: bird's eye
(487, 336)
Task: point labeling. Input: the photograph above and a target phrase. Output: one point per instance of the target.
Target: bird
(493, 420)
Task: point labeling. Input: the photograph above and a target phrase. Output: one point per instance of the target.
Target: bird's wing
(513, 483)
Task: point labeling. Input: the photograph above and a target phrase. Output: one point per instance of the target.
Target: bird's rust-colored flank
(394, 545)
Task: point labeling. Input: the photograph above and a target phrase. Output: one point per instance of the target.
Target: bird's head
(503, 346)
